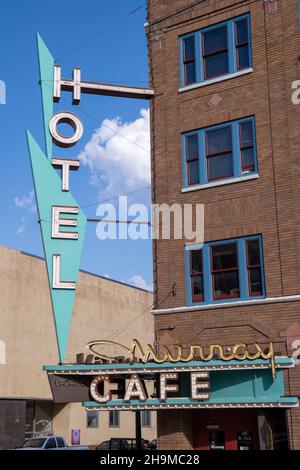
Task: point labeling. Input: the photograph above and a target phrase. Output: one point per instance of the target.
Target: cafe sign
(198, 378)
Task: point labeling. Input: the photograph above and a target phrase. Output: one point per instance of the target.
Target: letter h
(60, 84)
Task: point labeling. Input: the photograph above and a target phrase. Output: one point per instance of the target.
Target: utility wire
(130, 322)
(121, 135)
(108, 27)
(116, 196)
(91, 116)
(48, 219)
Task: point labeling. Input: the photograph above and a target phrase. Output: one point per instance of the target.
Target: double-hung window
(215, 52)
(192, 159)
(196, 276)
(226, 270)
(219, 50)
(254, 268)
(242, 44)
(247, 151)
(189, 60)
(221, 152)
(218, 151)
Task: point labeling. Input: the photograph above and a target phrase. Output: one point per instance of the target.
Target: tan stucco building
(104, 309)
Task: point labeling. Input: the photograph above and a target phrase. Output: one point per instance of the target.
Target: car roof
(42, 437)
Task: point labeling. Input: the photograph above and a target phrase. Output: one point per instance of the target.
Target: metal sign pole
(138, 430)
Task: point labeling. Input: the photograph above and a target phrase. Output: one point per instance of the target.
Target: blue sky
(117, 54)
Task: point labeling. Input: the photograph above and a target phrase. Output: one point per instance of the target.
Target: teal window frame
(231, 47)
(202, 156)
(208, 297)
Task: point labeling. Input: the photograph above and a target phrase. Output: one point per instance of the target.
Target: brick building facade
(217, 63)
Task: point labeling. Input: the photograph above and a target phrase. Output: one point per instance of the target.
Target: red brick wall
(268, 205)
(175, 430)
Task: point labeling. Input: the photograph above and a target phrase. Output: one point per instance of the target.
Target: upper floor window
(192, 158)
(225, 270)
(219, 152)
(216, 51)
(254, 268)
(189, 60)
(196, 275)
(242, 44)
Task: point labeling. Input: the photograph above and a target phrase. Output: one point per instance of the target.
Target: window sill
(240, 303)
(216, 80)
(240, 179)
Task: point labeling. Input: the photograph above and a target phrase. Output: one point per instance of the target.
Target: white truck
(48, 443)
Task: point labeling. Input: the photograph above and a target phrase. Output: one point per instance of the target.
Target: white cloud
(139, 281)
(118, 155)
(27, 201)
(21, 229)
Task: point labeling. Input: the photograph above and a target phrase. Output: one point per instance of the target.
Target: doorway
(225, 430)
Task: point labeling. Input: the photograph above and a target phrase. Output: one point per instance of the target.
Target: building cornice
(242, 303)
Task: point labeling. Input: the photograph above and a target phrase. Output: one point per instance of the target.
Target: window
(226, 270)
(114, 419)
(189, 60)
(192, 159)
(92, 419)
(220, 152)
(146, 418)
(51, 443)
(242, 44)
(196, 276)
(247, 146)
(254, 268)
(216, 51)
(60, 442)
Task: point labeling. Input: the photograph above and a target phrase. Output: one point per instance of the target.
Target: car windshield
(104, 445)
(38, 442)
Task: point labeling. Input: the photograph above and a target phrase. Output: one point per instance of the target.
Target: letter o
(94, 389)
(68, 118)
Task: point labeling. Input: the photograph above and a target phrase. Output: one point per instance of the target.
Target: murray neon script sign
(61, 220)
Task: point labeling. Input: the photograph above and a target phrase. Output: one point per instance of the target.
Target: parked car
(122, 443)
(48, 443)
(153, 444)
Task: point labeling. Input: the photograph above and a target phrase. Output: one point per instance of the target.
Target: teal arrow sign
(46, 66)
(62, 254)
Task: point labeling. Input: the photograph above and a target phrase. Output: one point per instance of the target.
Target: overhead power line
(91, 116)
(99, 33)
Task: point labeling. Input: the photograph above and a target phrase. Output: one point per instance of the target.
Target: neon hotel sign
(61, 219)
